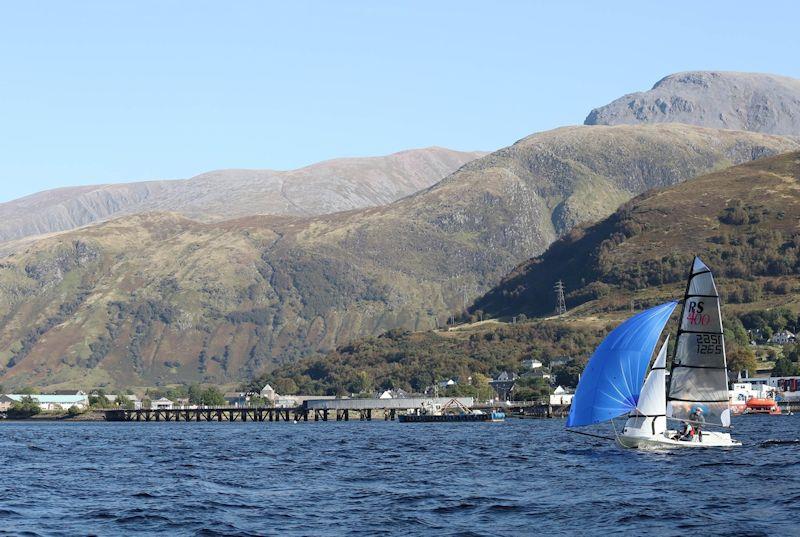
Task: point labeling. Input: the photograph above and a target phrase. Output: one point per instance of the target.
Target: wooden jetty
(312, 409)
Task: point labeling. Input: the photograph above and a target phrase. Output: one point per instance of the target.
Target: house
(5, 403)
(447, 383)
(784, 337)
(236, 399)
(531, 363)
(504, 384)
(561, 396)
(268, 393)
(540, 373)
(392, 394)
(50, 402)
(561, 360)
(162, 404)
(132, 398)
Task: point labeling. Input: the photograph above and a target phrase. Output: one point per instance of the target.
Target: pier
(325, 410)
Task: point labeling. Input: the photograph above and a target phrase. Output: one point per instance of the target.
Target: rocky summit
(725, 100)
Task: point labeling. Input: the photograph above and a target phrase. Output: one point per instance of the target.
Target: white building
(52, 402)
(162, 404)
(447, 383)
(392, 394)
(561, 396)
(268, 393)
(531, 364)
(784, 337)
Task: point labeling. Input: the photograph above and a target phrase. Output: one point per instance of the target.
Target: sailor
(699, 420)
(686, 432)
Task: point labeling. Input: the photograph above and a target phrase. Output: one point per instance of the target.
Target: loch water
(521, 477)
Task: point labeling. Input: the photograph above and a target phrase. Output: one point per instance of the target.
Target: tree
(99, 400)
(285, 386)
(213, 397)
(195, 393)
(784, 368)
(24, 408)
(73, 411)
(742, 359)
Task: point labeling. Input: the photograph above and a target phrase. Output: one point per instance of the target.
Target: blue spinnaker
(610, 384)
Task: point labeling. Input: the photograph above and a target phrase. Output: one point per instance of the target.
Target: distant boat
(614, 384)
(452, 411)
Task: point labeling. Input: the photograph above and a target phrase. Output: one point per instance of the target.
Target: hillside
(726, 100)
(159, 298)
(743, 221)
(325, 187)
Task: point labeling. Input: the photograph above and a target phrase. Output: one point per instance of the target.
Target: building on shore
(504, 385)
(162, 404)
(561, 396)
(47, 402)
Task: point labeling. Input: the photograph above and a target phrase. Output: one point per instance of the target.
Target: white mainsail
(698, 376)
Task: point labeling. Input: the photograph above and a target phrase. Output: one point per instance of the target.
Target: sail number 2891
(709, 343)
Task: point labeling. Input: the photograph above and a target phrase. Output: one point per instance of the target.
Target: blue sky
(94, 92)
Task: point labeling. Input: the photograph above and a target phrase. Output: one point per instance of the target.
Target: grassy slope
(743, 221)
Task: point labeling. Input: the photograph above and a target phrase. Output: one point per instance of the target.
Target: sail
(612, 380)
(653, 397)
(699, 376)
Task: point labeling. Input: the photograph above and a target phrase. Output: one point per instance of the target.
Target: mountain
(158, 297)
(740, 101)
(742, 221)
(325, 187)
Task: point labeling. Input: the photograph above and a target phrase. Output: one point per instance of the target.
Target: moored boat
(762, 406)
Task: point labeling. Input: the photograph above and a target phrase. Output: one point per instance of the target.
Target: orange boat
(762, 406)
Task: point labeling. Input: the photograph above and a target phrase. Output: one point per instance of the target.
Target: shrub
(24, 408)
(73, 411)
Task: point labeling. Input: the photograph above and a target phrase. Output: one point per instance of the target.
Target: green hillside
(157, 298)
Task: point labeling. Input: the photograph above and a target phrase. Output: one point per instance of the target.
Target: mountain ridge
(327, 186)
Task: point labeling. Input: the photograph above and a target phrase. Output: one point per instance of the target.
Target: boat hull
(711, 439)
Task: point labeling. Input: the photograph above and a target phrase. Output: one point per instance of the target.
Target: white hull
(711, 439)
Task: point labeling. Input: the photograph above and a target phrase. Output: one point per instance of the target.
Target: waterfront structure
(561, 396)
(392, 394)
(268, 393)
(162, 404)
(47, 402)
(504, 385)
(237, 399)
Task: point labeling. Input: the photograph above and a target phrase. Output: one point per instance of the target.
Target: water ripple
(519, 478)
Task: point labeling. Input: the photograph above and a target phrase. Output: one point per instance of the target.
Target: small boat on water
(452, 411)
(614, 384)
(762, 406)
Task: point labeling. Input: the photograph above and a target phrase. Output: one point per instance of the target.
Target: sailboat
(614, 383)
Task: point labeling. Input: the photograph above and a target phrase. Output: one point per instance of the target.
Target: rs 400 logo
(696, 317)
